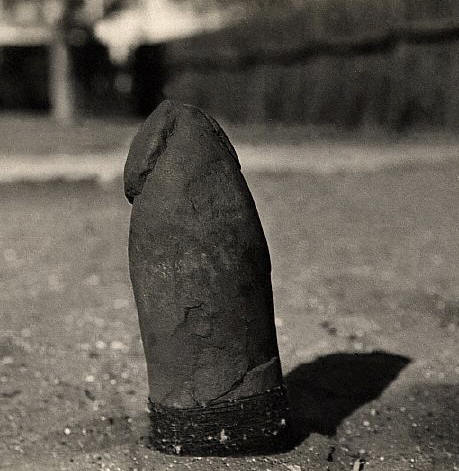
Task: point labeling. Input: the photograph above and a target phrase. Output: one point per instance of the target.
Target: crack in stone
(234, 386)
(193, 206)
(187, 310)
(241, 380)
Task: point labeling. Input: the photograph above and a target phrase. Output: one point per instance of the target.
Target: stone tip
(147, 145)
(152, 138)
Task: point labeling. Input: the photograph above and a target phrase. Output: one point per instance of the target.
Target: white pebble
(223, 436)
(92, 280)
(26, 333)
(117, 345)
(293, 467)
(278, 322)
(67, 431)
(7, 360)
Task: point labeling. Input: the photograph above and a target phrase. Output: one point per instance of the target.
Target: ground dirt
(366, 288)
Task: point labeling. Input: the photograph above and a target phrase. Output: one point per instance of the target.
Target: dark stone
(201, 275)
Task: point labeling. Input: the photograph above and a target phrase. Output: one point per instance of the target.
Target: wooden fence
(391, 63)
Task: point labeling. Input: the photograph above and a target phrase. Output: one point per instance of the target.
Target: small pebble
(223, 436)
(26, 333)
(293, 467)
(8, 360)
(117, 345)
(93, 280)
(67, 431)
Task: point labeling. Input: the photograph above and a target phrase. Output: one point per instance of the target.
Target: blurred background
(344, 114)
(348, 63)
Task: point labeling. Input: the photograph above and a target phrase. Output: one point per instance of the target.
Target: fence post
(61, 82)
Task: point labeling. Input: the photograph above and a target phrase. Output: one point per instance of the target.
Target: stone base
(256, 424)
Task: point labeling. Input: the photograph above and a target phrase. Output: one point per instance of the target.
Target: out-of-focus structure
(148, 22)
(349, 63)
(50, 56)
(36, 37)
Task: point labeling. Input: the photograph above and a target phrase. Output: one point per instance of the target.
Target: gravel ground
(365, 278)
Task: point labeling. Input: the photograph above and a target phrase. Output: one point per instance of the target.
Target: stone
(201, 275)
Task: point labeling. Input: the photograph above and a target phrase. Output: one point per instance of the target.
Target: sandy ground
(365, 279)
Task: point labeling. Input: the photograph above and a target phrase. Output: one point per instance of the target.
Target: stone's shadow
(326, 391)
(321, 395)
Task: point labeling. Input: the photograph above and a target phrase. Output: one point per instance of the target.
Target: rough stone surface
(199, 264)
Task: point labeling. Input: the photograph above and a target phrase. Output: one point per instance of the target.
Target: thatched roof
(338, 27)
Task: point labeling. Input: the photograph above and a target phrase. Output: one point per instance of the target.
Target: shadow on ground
(321, 394)
(332, 387)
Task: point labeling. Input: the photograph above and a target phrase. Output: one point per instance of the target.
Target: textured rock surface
(199, 264)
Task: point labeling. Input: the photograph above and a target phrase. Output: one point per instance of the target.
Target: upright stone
(201, 275)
